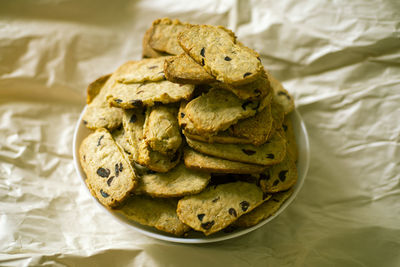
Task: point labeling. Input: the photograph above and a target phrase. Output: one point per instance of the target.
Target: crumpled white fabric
(340, 60)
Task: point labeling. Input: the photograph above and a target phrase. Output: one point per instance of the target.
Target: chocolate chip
(215, 199)
(152, 67)
(246, 74)
(98, 143)
(137, 102)
(283, 93)
(203, 50)
(84, 157)
(259, 59)
(244, 205)
(264, 176)
(133, 118)
(110, 180)
(207, 225)
(127, 152)
(200, 216)
(104, 194)
(232, 212)
(103, 172)
(276, 182)
(284, 127)
(116, 170)
(182, 114)
(248, 151)
(227, 58)
(245, 104)
(120, 167)
(118, 100)
(270, 156)
(202, 62)
(84, 122)
(282, 175)
(258, 105)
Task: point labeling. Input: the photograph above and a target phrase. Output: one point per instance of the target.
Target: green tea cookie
(281, 95)
(218, 109)
(264, 211)
(229, 136)
(133, 121)
(269, 153)
(95, 87)
(290, 138)
(134, 95)
(151, 69)
(199, 161)
(190, 131)
(256, 128)
(180, 181)
(161, 129)
(155, 212)
(109, 175)
(121, 139)
(164, 36)
(98, 113)
(279, 177)
(216, 50)
(218, 206)
(147, 50)
(183, 69)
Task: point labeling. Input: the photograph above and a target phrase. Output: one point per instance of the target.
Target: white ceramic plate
(302, 166)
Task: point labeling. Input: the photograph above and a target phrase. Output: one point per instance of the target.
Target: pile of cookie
(194, 137)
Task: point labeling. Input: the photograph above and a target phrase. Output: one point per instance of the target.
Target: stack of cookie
(194, 137)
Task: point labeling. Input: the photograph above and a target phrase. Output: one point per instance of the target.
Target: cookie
(95, 87)
(180, 181)
(190, 131)
(147, 50)
(290, 138)
(183, 69)
(216, 50)
(198, 161)
(133, 121)
(218, 109)
(164, 36)
(281, 95)
(254, 90)
(121, 139)
(264, 211)
(240, 136)
(150, 69)
(98, 113)
(109, 175)
(155, 212)
(217, 207)
(161, 129)
(279, 177)
(134, 95)
(272, 152)
(256, 128)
